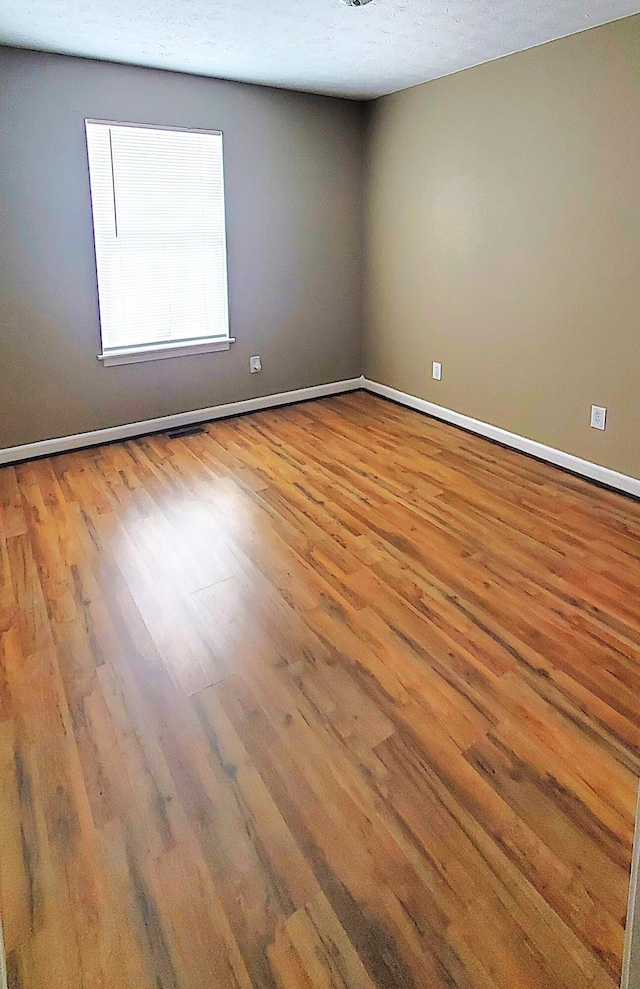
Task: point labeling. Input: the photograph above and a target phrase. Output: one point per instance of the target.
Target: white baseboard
(44, 448)
(622, 482)
(595, 472)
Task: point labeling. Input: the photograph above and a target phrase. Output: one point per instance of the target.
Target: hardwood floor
(329, 696)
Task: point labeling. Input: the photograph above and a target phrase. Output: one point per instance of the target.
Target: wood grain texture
(329, 697)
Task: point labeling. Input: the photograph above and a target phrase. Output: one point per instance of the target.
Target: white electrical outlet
(437, 371)
(255, 365)
(598, 417)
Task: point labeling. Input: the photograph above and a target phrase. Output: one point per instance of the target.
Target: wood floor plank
(333, 696)
(327, 959)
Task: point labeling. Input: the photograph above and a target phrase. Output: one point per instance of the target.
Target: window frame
(178, 348)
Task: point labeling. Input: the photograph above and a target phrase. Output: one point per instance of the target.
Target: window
(157, 197)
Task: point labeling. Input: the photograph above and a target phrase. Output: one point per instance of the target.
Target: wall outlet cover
(255, 364)
(598, 417)
(437, 371)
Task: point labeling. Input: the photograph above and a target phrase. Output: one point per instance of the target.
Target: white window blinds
(157, 198)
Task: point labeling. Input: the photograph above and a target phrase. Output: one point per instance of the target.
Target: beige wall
(504, 241)
(293, 175)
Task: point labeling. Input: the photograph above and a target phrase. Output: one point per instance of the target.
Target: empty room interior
(319, 494)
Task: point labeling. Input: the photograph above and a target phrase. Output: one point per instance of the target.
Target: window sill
(161, 351)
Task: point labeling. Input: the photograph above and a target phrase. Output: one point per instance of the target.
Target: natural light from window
(157, 197)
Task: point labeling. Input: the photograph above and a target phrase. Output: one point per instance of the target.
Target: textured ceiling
(317, 45)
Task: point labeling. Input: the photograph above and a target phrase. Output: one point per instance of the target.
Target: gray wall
(293, 169)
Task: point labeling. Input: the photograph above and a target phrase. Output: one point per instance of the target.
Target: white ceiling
(316, 45)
